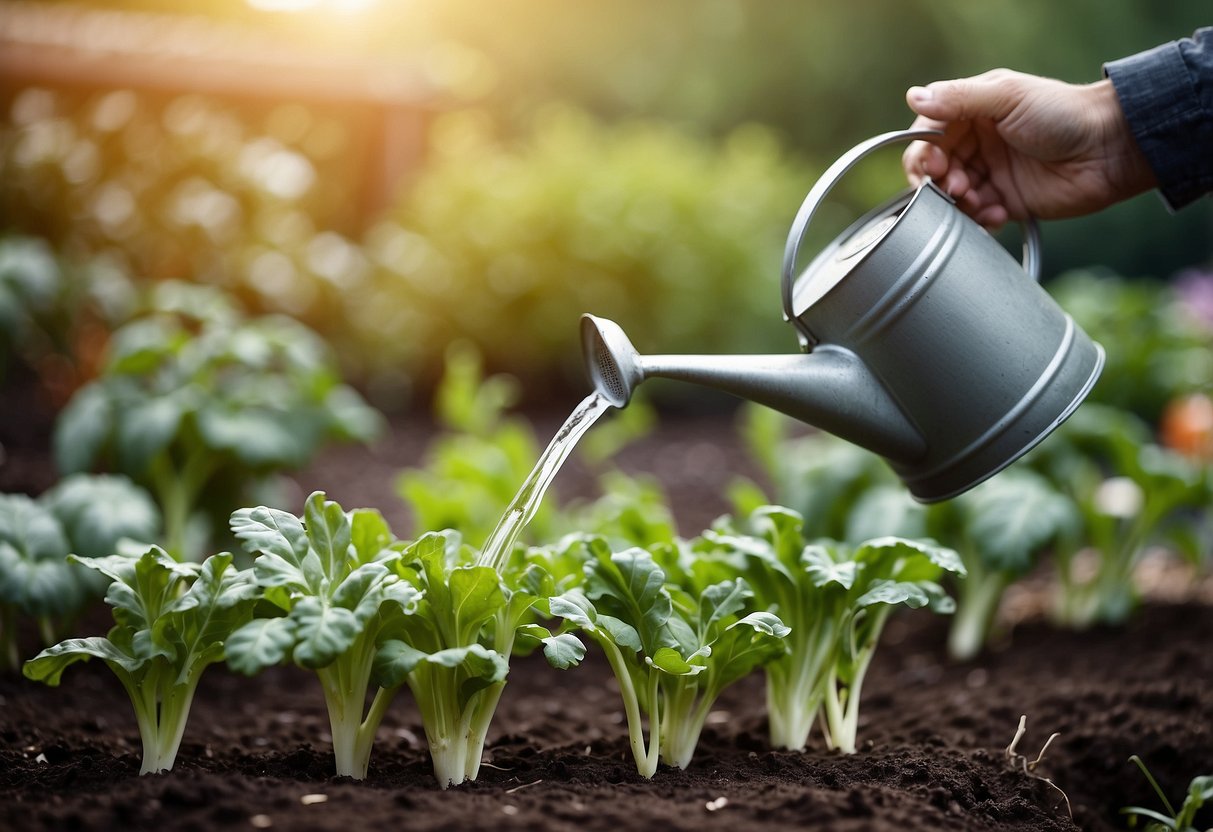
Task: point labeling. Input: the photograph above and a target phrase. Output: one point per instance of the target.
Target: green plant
(197, 402)
(473, 470)
(841, 491)
(1130, 493)
(454, 652)
(998, 529)
(1156, 349)
(500, 235)
(836, 599)
(1200, 793)
(327, 577)
(84, 515)
(673, 648)
(171, 623)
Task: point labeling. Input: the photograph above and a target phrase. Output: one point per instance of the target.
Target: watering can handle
(823, 186)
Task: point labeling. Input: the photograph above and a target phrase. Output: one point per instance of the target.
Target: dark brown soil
(257, 753)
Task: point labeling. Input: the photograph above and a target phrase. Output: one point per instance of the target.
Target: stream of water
(526, 501)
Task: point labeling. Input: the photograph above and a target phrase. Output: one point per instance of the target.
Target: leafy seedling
(1200, 793)
(172, 621)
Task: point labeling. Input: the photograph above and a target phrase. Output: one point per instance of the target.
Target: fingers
(993, 95)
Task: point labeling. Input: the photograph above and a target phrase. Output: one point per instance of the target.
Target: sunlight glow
(339, 6)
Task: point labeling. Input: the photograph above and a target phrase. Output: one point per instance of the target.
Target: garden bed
(932, 733)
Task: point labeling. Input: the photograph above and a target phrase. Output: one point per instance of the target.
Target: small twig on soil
(523, 786)
(499, 768)
(1029, 767)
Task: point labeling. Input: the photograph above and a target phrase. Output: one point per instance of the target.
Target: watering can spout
(830, 388)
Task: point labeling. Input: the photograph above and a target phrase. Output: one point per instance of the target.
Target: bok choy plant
(328, 575)
(196, 401)
(998, 529)
(1130, 493)
(83, 515)
(171, 622)
(673, 649)
(836, 599)
(454, 652)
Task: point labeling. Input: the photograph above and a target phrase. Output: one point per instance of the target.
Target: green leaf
(48, 666)
(261, 643)
(1015, 515)
(145, 431)
(575, 608)
(394, 661)
(668, 660)
(258, 437)
(82, 429)
(475, 597)
(629, 586)
(362, 591)
(97, 511)
(884, 591)
(721, 601)
(562, 651)
(279, 541)
(328, 532)
(323, 631)
(821, 567)
(270, 531)
(369, 534)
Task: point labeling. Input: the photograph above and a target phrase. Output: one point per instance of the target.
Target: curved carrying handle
(823, 186)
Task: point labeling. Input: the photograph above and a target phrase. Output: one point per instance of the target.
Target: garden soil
(256, 754)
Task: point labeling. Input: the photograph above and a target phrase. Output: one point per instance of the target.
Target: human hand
(1017, 145)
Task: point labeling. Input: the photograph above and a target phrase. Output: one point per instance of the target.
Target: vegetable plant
(673, 649)
(84, 515)
(998, 529)
(333, 597)
(171, 623)
(1130, 493)
(195, 401)
(835, 598)
(1200, 793)
(454, 652)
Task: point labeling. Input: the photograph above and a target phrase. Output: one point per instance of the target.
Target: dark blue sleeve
(1167, 97)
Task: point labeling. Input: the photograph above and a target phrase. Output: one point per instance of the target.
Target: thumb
(992, 95)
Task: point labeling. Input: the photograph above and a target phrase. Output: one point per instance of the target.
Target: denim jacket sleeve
(1167, 96)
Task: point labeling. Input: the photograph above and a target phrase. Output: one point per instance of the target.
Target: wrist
(1129, 173)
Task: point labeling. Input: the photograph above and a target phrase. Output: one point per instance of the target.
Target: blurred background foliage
(635, 159)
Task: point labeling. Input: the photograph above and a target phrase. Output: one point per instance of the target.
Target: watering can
(923, 340)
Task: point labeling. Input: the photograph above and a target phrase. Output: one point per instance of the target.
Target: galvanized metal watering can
(924, 341)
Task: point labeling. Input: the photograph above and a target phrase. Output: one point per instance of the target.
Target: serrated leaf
(323, 632)
(261, 643)
(563, 651)
(362, 591)
(268, 530)
(823, 570)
